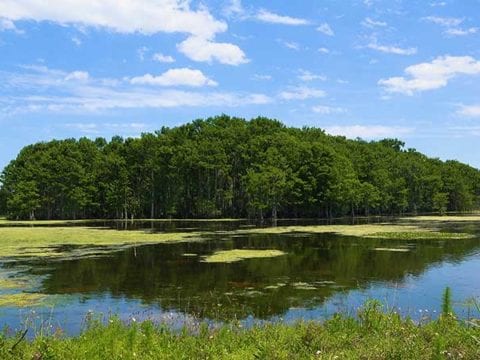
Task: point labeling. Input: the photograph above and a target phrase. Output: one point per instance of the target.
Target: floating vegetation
(303, 286)
(446, 218)
(384, 230)
(274, 287)
(22, 299)
(392, 249)
(228, 256)
(46, 241)
(421, 235)
(12, 283)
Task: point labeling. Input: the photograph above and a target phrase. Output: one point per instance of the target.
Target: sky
(362, 68)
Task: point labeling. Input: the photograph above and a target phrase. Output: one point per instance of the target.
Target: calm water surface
(320, 274)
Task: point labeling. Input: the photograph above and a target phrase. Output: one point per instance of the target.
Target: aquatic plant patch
(228, 256)
(49, 241)
(385, 230)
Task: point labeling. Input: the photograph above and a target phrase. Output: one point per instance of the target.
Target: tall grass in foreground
(373, 334)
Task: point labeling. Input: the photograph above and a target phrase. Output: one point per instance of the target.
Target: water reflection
(316, 268)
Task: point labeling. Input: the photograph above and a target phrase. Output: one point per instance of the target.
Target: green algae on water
(228, 256)
(22, 299)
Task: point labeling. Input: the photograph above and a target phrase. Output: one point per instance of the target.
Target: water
(320, 274)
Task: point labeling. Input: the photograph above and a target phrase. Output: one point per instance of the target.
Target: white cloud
(98, 128)
(262, 77)
(135, 16)
(391, 49)
(272, 18)
(328, 110)
(326, 29)
(301, 93)
(76, 41)
(40, 89)
(461, 32)
(78, 76)
(469, 110)
(370, 23)
(309, 76)
(433, 75)
(175, 77)
(234, 7)
(290, 44)
(451, 25)
(368, 131)
(200, 49)
(162, 58)
(131, 16)
(323, 50)
(7, 24)
(443, 21)
(141, 52)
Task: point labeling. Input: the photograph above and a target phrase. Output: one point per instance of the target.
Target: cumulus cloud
(325, 29)
(433, 75)
(301, 93)
(175, 77)
(201, 49)
(7, 24)
(134, 16)
(368, 131)
(272, 18)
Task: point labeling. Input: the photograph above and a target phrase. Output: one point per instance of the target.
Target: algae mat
(228, 256)
(48, 242)
(385, 230)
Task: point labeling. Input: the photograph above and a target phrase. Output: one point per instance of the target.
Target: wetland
(179, 272)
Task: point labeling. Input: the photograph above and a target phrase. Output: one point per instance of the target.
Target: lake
(319, 275)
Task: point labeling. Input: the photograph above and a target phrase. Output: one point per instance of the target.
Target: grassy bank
(373, 335)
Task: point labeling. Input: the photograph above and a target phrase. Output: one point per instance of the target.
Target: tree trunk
(152, 200)
(274, 215)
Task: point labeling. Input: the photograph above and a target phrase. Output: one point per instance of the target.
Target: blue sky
(360, 68)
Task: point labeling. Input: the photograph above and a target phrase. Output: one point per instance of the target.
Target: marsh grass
(372, 334)
(229, 256)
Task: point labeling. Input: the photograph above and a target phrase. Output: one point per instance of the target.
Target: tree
(440, 202)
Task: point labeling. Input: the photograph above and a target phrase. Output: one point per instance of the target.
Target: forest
(229, 167)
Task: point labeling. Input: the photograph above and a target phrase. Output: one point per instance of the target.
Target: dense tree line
(230, 167)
